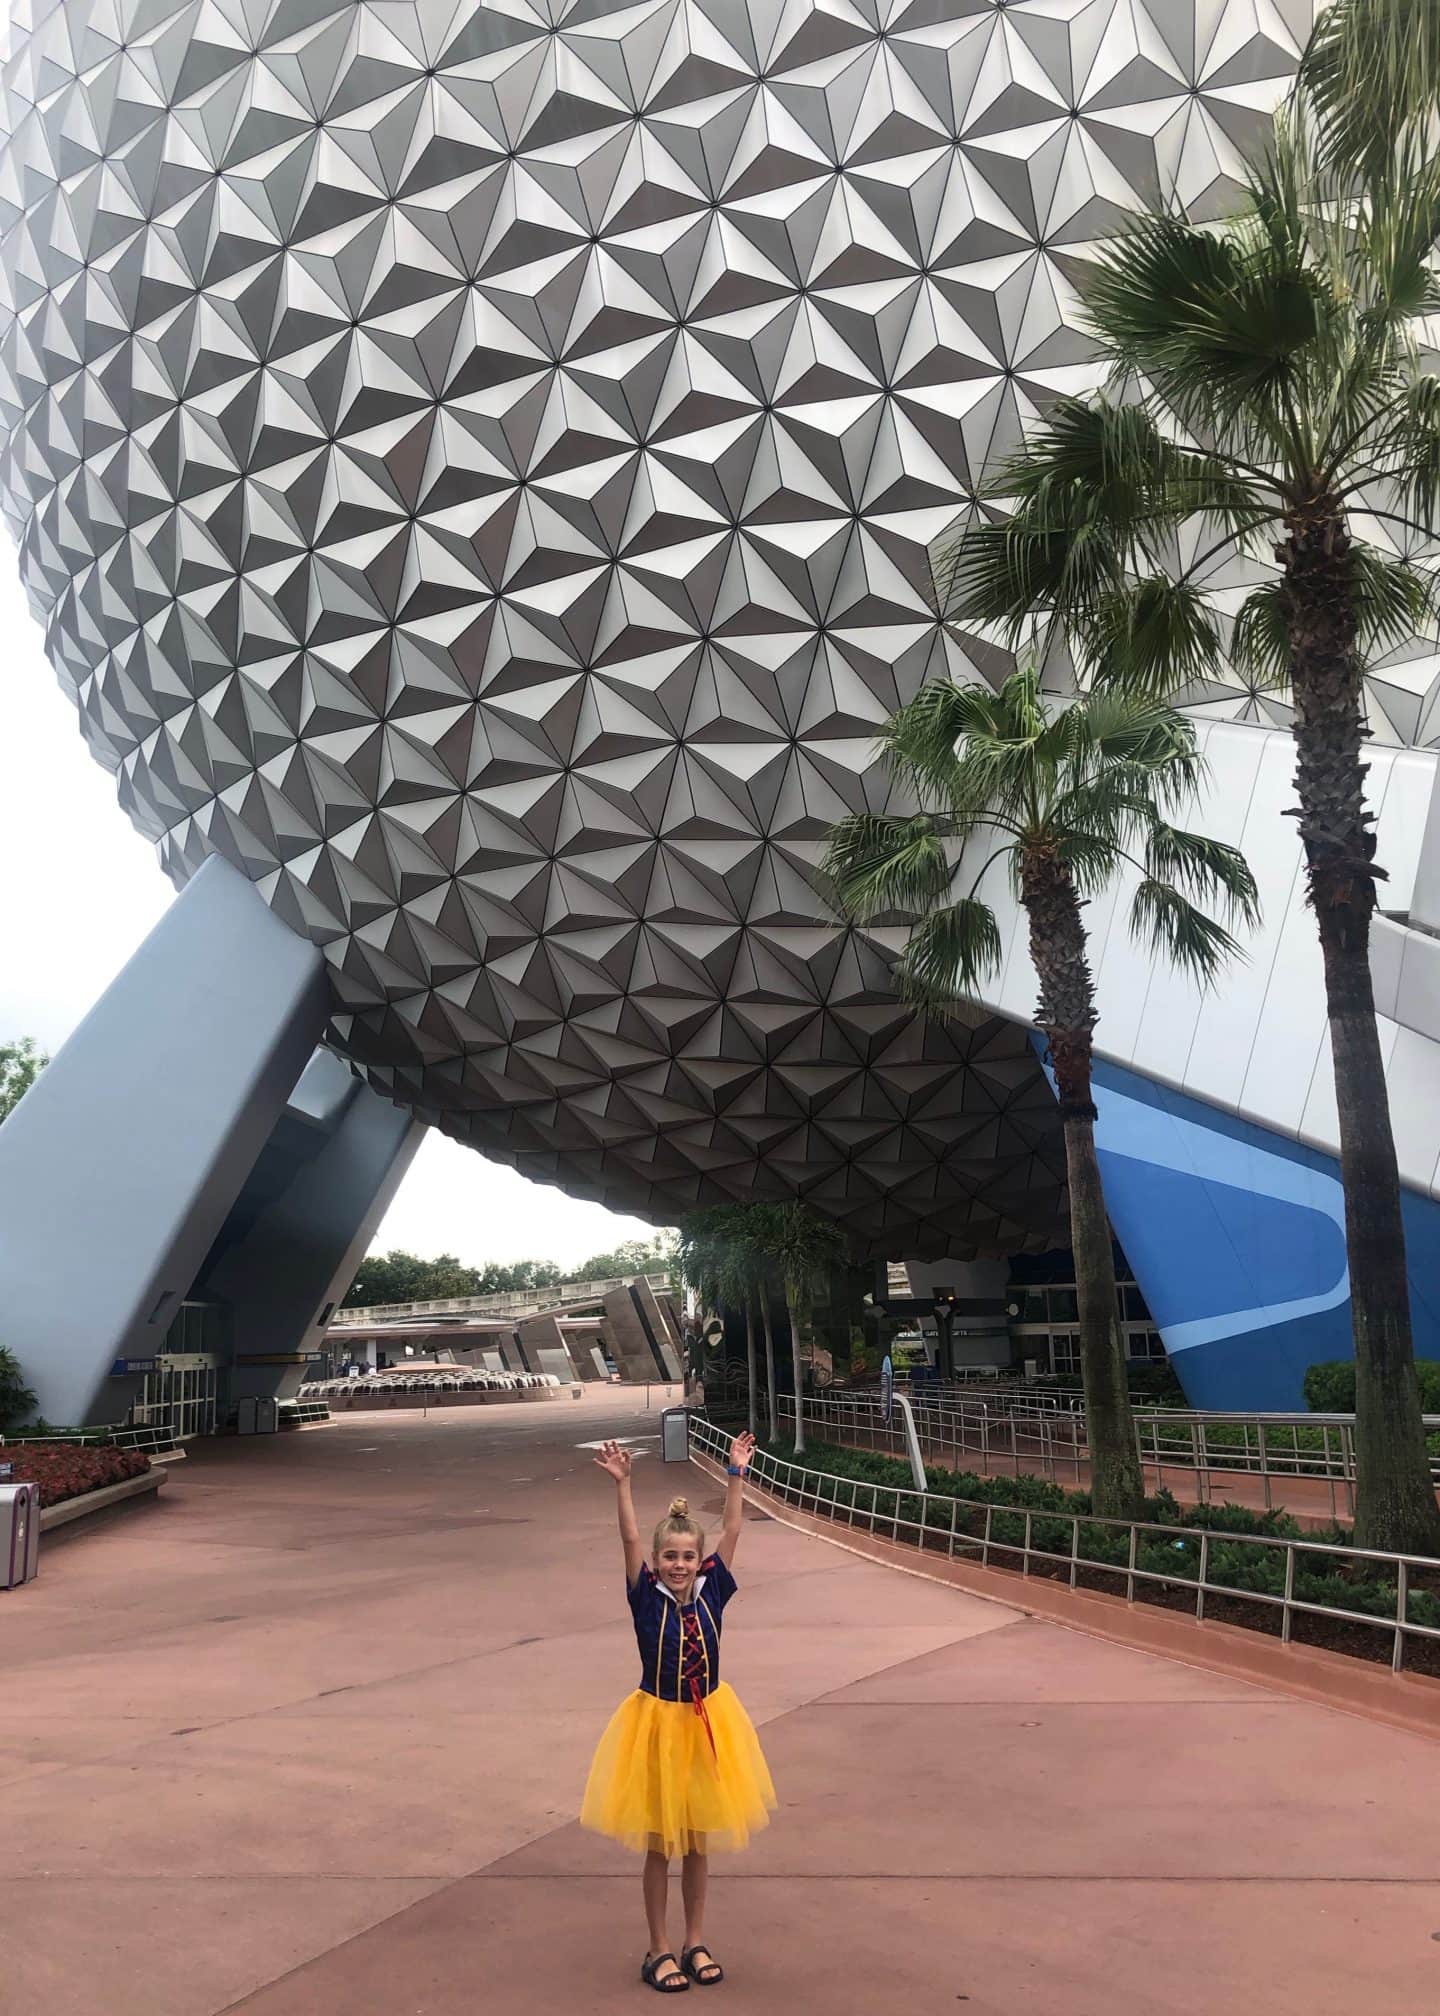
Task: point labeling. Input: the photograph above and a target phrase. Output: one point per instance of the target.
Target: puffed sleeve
(720, 1584)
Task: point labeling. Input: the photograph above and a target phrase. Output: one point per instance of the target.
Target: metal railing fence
(152, 1440)
(1201, 1452)
(1062, 1545)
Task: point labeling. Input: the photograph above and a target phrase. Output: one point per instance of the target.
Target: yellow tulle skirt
(655, 1783)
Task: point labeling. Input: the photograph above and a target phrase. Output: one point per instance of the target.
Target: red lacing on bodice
(692, 1668)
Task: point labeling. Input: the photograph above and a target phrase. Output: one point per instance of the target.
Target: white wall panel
(1258, 1045)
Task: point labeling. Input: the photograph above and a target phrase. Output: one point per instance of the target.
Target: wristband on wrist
(736, 1471)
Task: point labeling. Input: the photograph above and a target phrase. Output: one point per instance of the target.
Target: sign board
(129, 1368)
(887, 1390)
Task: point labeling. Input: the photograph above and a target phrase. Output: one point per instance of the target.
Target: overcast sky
(80, 891)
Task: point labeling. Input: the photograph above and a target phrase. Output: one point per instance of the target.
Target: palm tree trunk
(1066, 1013)
(769, 1362)
(793, 1310)
(1395, 1506)
(750, 1359)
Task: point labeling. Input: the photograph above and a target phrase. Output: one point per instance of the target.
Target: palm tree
(762, 1227)
(716, 1254)
(1265, 386)
(804, 1246)
(1068, 799)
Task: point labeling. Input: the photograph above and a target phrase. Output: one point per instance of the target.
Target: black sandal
(706, 1973)
(673, 1984)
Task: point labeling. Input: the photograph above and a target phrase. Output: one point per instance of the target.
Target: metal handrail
(1197, 1446)
(150, 1440)
(937, 1528)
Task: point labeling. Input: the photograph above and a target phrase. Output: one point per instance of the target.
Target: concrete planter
(97, 1501)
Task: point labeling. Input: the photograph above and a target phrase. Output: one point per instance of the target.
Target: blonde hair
(677, 1521)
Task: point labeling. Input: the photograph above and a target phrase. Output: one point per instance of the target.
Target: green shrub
(1247, 1571)
(1330, 1387)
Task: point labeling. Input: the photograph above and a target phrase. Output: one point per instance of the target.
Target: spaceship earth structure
(476, 467)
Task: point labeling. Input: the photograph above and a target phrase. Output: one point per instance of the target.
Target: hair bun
(679, 1508)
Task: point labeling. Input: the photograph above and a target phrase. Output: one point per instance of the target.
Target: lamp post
(943, 1305)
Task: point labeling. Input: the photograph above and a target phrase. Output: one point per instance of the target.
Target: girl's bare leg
(657, 1890)
(694, 1881)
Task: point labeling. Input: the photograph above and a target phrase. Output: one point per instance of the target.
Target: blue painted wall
(1237, 1239)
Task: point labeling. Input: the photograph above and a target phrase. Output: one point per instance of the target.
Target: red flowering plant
(69, 1469)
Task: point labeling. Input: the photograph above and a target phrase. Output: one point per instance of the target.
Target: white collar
(700, 1581)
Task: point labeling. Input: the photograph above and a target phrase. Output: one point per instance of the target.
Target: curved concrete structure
(477, 467)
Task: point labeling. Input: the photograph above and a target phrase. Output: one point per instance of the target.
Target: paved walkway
(305, 1736)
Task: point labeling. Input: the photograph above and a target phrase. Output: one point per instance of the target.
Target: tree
(804, 1246)
(17, 1402)
(21, 1063)
(1068, 799)
(719, 1258)
(763, 1221)
(631, 1257)
(1266, 385)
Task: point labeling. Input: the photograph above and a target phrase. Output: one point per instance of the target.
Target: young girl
(679, 1771)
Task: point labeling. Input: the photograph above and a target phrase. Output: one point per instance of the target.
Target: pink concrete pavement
(306, 1735)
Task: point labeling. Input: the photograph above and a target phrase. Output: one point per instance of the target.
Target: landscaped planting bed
(1248, 1571)
(68, 1470)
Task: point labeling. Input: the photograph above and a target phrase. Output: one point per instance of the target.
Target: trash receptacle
(675, 1435)
(267, 1417)
(19, 1534)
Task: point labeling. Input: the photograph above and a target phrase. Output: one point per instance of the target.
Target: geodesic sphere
(477, 467)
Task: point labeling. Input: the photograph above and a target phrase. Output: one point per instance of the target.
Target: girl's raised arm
(615, 1462)
(741, 1451)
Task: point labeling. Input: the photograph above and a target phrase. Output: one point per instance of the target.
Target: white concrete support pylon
(284, 1276)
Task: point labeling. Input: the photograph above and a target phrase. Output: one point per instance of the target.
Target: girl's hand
(742, 1451)
(614, 1461)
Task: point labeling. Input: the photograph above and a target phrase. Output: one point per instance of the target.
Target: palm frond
(921, 738)
(1413, 449)
(1173, 925)
(1092, 857)
(949, 954)
(1260, 639)
(1371, 67)
(877, 864)
(1393, 600)
(1154, 636)
(1209, 869)
(1215, 324)
(1093, 486)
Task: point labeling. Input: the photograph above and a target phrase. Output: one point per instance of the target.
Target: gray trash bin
(675, 1435)
(19, 1534)
(267, 1417)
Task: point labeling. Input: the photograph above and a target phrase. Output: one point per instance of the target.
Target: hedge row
(1330, 1388)
(1245, 1570)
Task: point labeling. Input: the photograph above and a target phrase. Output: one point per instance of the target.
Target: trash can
(19, 1534)
(267, 1417)
(675, 1434)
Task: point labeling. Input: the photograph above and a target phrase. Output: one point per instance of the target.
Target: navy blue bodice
(680, 1644)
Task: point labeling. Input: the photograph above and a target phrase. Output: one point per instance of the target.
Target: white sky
(80, 889)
